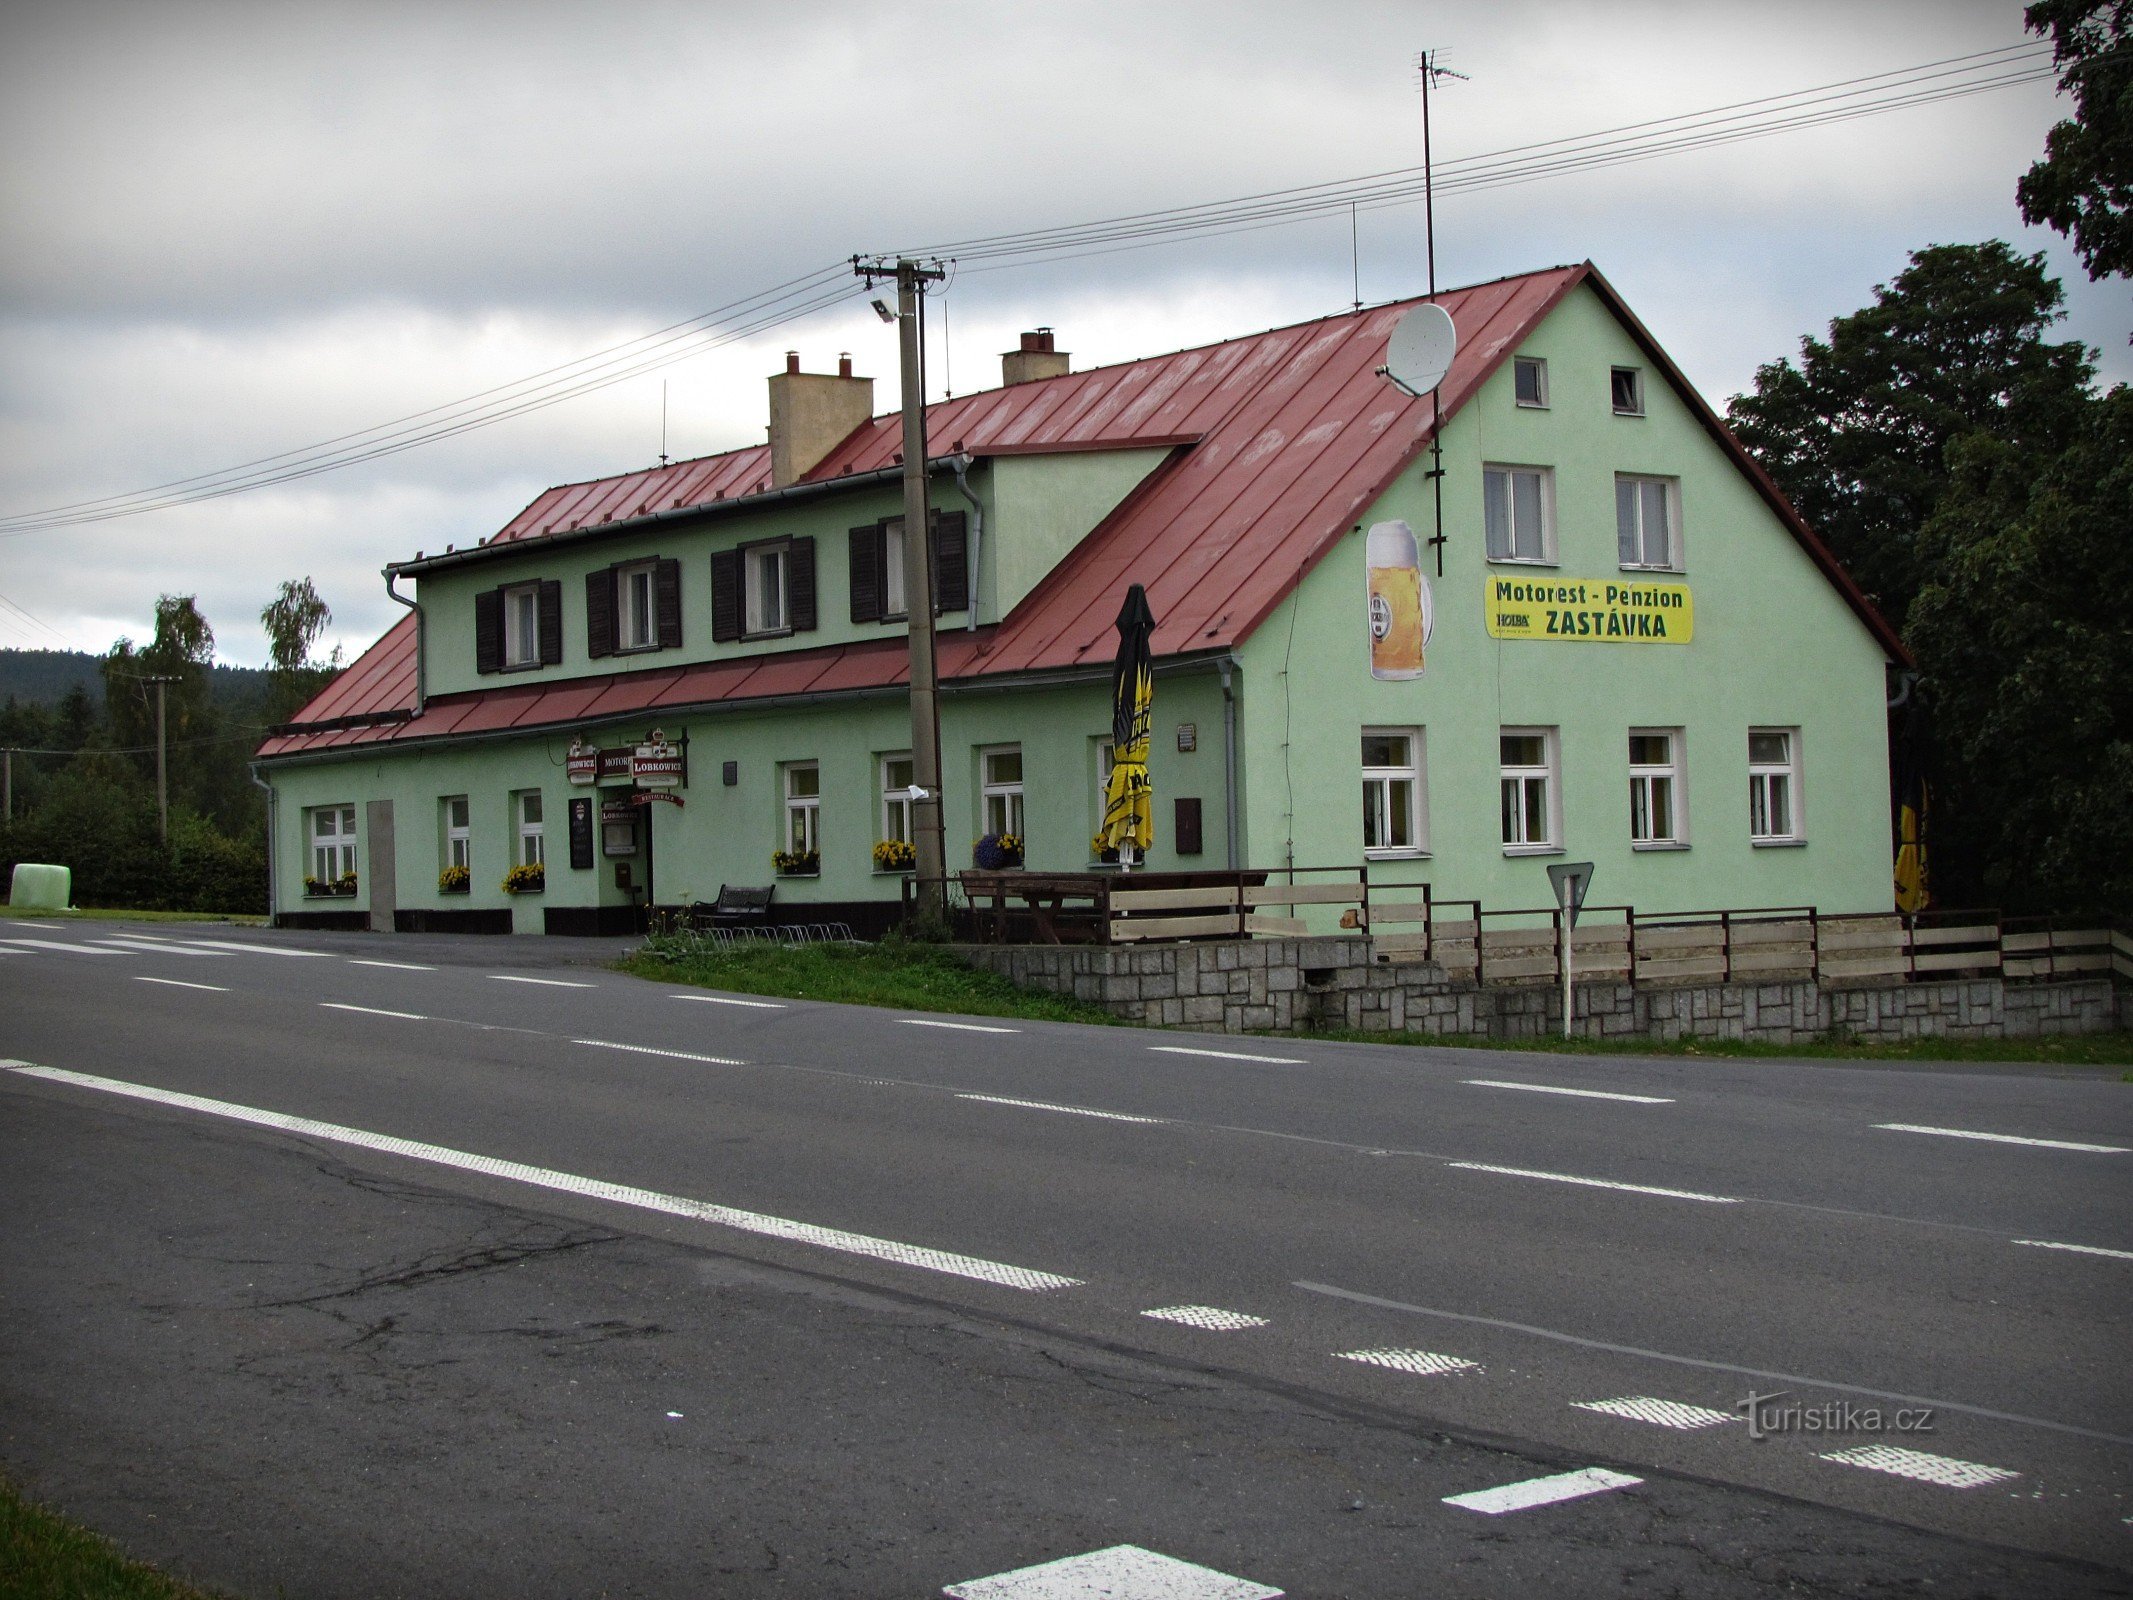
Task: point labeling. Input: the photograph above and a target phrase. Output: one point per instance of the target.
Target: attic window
(1529, 376)
(1628, 388)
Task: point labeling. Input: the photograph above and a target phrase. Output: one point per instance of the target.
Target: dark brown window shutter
(489, 631)
(666, 601)
(866, 569)
(600, 613)
(951, 561)
(1186, 811)
(800, 577)
(725, 596)
(550, 606)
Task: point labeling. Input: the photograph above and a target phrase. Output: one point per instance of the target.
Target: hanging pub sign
(615, 763)
(583, 763)
(1584, 610)
(655, 764)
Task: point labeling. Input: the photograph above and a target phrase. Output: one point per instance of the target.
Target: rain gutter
(959, 464)
(392, 576)
(1227, 666)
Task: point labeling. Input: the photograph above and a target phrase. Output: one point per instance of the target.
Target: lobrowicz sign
(1590, 611)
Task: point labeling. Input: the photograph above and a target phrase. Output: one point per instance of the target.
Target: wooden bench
(735, 907)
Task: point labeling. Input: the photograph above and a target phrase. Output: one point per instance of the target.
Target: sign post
(1569, 879)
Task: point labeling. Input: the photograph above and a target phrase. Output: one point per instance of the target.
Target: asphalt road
(339, 1265)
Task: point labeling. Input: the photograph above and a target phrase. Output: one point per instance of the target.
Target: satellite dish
(1419, 353)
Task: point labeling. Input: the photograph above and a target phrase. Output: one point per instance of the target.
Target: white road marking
(1582, 1094)
(397, 966)
(1076, 1111)
(1423, 1363)
(1943, 1470)
(2079, 1249)
(2004, 1138)
(1212, 1317)
(238, 946)
(1541, 1491)
(60, 944)
(180, 983)
(1123, 1572)
(963, 1027)
(1596, 1183)
(650, 1050)
(552, 983)
(374, 1011)
(1228, 1055)
(753, 1222)
(1665, 1413)
(722, 1000)
(143, 947)
(49, 927)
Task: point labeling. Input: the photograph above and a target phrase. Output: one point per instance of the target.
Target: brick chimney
(811, 413)
(1036, 359)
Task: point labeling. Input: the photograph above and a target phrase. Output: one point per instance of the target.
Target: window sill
(1532, 849)
(1522, 561)
(1533, 405)
(1636, 566)
(1621, 413)
(890, 872)
(520, 666)
(768, 633)
(1395, 855)
(1779, 844)
(1658, 845)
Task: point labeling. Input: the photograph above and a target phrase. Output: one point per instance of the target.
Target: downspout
(1226, 666)
(392, 577)
(960, 465)
(273, 840)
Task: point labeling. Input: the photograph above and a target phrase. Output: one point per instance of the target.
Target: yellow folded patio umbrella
(1129, 820)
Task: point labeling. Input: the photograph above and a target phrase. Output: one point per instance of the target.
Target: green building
(1626, 648)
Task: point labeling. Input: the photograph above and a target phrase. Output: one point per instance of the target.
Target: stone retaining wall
(1237, 986)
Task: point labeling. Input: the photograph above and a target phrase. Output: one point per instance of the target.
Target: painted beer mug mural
(1401, 615)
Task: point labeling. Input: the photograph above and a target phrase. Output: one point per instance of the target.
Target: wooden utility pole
(162, 760)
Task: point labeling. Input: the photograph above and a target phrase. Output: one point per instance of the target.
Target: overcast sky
(235, 229)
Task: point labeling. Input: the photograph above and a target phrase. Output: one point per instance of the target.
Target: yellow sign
(1590, 610)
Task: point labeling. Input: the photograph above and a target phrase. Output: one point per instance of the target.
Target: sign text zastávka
(1589, 610)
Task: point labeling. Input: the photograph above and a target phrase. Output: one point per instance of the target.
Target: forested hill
(44, 677)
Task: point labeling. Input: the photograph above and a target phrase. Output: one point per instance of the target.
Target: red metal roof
(1296, 437)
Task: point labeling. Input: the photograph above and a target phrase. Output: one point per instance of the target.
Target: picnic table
(1019, 907)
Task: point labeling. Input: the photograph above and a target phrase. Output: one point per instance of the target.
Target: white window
(637, 607)
(1655, 787)
(1395, 815)
(1529, 791)
(1626, 386)
(522, 625)
(333, 842)
(1517, 507)
(896, 777)
(892, 569)
(1529, 379)
(766, 589)
(1774, 785)
(1106, 759)
(532, 850)
(1646, 524)
(1000, 789)
(458, 833)
(803, 807)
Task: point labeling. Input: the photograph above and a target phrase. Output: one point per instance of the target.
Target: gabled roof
(1293, 435)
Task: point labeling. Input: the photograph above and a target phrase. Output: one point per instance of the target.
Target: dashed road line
(180, 983)
(750, 1222)
(1945, 1471)
(1662, 1413)
(373, 1011)
(143, 947)
(724, 1000)
(1229, 1055)
(1075, 1111)
(1422, 1363)
(652, 1050)
(2078, 1249)
(1542, 1491)
(397, 966)
(1596, 1183)
(2004, 1138)
(550, 983)
(48, 927)
(1582, 1094)
(239, 946)
(961, 1027)
(1213, 1318)
(60, 944)
(1123, 1572)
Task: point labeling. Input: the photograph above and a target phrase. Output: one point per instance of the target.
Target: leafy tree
(2024, 644)
(182, 650)
(294, 619)
(1857, 433)
(2084, 185)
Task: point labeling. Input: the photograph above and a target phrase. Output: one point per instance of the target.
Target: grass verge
(45, 1557)
(895, 974)
(2075, 1050)
(99, 914)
